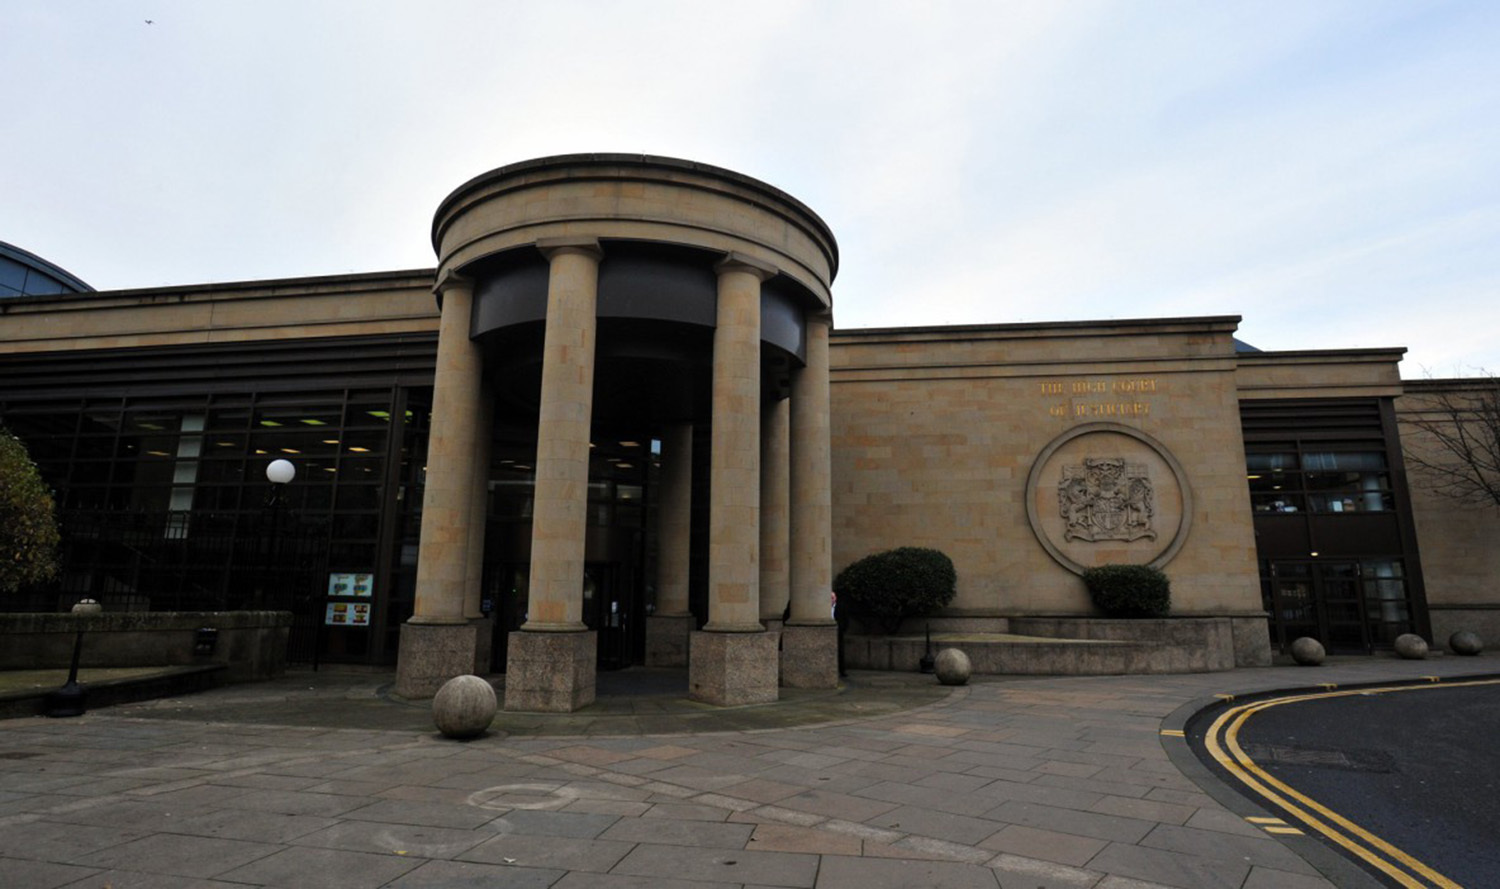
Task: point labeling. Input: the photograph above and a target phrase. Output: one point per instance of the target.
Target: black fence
(193, 561)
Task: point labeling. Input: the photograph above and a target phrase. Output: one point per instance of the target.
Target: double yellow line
(1398, 865)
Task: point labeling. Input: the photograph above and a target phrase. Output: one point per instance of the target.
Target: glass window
(165, 503)
(12, 274)
(1327, 482)
(358, 496)
(1345, 460)
(1266, 462)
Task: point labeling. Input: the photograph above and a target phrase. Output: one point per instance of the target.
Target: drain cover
(1349, 760)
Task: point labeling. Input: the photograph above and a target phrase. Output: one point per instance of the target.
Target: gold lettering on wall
(1096, 397)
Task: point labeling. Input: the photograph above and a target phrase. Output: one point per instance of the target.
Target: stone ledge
(251, 644)
(164, 683)
(1066, 646)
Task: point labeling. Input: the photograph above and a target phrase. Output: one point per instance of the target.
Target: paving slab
(794, 869)
(124, 879)
(1169, 869)
(408, 840)
(300, 866)
(328, 780)
(42, 874)
(178, 855)
(1046, 845)
(839, 871)
(472, 875)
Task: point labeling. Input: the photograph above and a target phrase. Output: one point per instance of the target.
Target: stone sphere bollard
(464, 706)
(88, 606)
(1465, 642)
(1411, 646)
(952, 667)
(1308, 652)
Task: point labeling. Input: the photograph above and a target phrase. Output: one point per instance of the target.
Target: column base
(730, 669)
(550, 672)
(810, 656)
(667, 639)
(431, 654)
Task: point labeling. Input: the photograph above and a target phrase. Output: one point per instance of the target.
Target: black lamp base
(70, 700)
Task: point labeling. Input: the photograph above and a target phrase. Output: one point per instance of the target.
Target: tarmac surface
(327, 780)
(1352, 755)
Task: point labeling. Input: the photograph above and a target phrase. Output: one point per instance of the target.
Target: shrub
(885, 588)
(1129, 590)
(28, 524)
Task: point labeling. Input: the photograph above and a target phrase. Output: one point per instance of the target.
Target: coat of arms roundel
(1106, 498)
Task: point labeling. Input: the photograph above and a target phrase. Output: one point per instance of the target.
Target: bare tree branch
(1457, 453)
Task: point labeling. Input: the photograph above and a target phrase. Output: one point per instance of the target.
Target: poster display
(348, 584)
(348, 614)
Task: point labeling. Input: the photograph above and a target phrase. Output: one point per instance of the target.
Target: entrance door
(1343, 607)
(505, 592)
(1293, 606)
(606, 610)
(1349, 606)
(617, 557)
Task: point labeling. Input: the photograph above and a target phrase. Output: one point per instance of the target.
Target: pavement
(328, 780)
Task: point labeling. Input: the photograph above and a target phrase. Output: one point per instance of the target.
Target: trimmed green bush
(28, 523)
(885, 588)
(1129, 590)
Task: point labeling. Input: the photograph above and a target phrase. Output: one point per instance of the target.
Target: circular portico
(589, 292)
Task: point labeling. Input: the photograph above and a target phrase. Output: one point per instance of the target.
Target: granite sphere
(952, 667)
(1411, 646)
(464, 706)
(1308, 652)
(1465, 642)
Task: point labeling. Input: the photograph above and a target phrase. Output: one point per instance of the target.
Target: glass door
(1342, 599)
(1292, 606)
(1350, 606)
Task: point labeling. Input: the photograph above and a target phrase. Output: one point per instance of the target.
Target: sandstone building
(617, 425)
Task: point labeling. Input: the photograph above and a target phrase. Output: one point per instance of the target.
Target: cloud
(1327, 170)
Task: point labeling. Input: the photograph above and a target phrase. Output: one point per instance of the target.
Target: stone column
(733, 660)
(775, 492)
(810, 639)
(550, 662)
(438, 641)
(667, 630)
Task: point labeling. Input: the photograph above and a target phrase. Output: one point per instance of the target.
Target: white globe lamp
(279, 472)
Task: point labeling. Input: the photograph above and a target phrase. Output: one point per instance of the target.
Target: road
(1417, 767)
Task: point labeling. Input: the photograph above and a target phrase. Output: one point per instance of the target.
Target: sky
(1330, 171)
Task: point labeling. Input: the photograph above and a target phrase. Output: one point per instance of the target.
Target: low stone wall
(1185, 644)
(1481, 619)
(1072, 646)
(251, 644)
(941, 623)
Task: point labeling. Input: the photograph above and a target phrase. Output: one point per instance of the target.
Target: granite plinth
(809, 656)
(430, 655)
(550, 672)
(730, 669)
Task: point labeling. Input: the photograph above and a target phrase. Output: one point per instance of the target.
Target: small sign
(342, 584)
(348, 614)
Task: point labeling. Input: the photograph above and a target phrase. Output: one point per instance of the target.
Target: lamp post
(279, 473)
